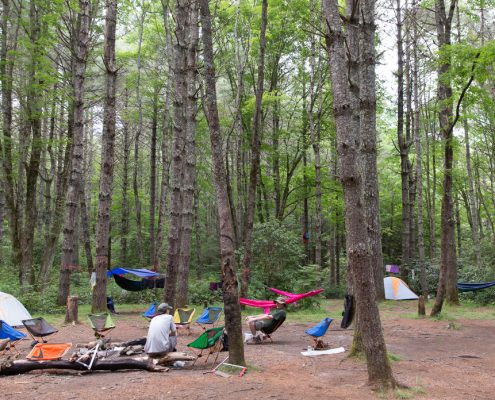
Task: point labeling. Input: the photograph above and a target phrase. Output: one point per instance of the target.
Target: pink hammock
(267, 304)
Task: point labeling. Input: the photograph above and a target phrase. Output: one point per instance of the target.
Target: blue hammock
(7, 332)
(470, 287)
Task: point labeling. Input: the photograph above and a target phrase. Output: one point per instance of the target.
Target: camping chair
(39, 328)
(101, 323)
(48, 351)
(9, 337)
(318, 331)
(210, 316)
(210, 339)
(183, 318)
(150, 312)
(269, 330)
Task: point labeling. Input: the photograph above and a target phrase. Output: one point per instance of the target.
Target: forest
(294, 144)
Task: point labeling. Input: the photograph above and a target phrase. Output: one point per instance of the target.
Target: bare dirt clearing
(440, 359)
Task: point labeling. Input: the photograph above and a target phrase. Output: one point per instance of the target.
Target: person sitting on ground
(267, 322)
(162, 333)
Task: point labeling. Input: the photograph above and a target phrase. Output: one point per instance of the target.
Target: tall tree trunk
(135, 183)
(419, 158)
(34, 111)
(154, 124)
(62, 181)
(255, 154)
(447, 281)
(189, 167)
(305, 216)
(83, 198)
(164, 178)
(165, 144)
(314, 133)
(99, 303)
(369, 148)
(351, 175)
(125, 184)
(6, 75)
(86, 228)
(403, 147)
(78, 79)
(179, 141)
(165, 171)
(230, 294)
(471, 197)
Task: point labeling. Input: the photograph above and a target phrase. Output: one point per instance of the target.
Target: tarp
(140, 272)
(469, 287)
(11, 310)
(268, 304)
(397, 289)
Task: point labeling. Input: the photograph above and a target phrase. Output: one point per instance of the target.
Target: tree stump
(72, 310)
(421, 306)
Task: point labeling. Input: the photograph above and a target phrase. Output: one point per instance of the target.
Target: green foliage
(200, 293)
(277, 255)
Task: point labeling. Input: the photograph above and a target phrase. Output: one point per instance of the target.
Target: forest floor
(447, 358)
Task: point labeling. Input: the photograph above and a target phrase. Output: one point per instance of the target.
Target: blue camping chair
(150, 312)
(10, 337)
(318, 331)
(209, 316)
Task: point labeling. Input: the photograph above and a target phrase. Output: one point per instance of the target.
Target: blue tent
(7, 332)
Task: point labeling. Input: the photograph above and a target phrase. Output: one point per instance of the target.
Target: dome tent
(11, 310)
(397, 289)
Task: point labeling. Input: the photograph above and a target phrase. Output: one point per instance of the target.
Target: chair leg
(218, 353)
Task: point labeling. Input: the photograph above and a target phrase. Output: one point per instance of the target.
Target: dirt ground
(438, 359)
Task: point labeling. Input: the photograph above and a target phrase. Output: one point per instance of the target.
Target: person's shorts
(259, 325)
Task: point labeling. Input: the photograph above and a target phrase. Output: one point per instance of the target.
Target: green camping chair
(101, 323)
(210, 339)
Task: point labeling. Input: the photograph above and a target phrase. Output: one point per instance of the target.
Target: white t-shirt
(158, 340)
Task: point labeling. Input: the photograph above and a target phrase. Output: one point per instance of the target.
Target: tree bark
(165, 170)
(403, 148)
(419, 160)
(99, 303)
(255, 154)
(351, 175)
(135, 183)
(447, 281)
(472, 198)
(189, 166)
(6, 77)
(71, 313)
(154, 124)
(125, 184)
(23, 366)
(78, 79)
(179, 141)
(62, 181)
(34, 113)
(314, 133)
(368, 134)
(230, 294)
